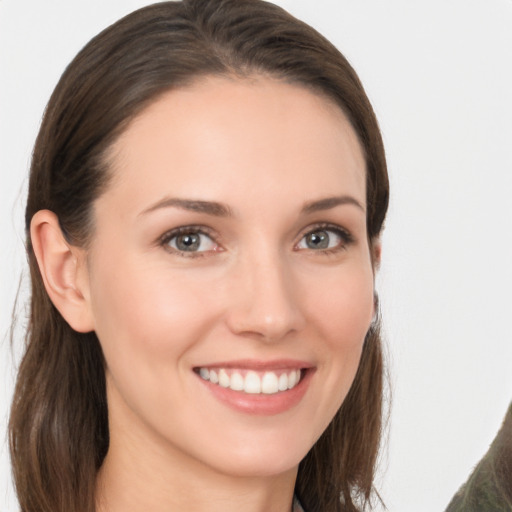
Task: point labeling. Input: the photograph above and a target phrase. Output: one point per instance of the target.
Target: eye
(325, 238)
(189, 240)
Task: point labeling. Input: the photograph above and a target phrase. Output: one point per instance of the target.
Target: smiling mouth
(250, 381)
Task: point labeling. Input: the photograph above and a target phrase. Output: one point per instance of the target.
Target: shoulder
(489, 487)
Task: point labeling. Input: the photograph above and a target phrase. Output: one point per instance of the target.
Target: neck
(142, 471)
(127, 485)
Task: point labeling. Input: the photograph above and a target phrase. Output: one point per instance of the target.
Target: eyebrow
(194, 205)
(222, 210)
(330, 202)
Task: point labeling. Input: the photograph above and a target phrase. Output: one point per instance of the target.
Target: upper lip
(257, 364)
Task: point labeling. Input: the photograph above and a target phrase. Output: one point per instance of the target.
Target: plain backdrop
(439, 74)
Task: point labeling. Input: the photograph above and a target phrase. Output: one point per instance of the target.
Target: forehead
(225, 137)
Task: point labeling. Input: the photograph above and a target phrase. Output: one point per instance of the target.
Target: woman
(206, 197)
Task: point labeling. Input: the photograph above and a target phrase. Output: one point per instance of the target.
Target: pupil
(188, 242)
(318, 240)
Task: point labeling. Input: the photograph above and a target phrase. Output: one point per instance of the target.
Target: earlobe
(63, 270)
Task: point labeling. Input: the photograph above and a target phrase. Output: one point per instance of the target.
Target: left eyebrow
(330, 202)
(194, 205)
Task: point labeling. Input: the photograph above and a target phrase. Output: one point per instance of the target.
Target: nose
(264, 302)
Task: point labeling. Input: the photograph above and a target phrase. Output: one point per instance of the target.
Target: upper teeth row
(252, 383)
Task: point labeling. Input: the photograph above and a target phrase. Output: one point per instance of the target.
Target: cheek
(343, 308)
(146, 325)
(343, 317)
(339, 310)
(148, 315)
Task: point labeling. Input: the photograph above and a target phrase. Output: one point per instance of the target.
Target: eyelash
(187, 230)
(346, 238)
(164, 241)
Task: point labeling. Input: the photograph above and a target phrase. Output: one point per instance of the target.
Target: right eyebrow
(194, 205)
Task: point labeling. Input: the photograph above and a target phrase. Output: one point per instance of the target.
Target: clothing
(297, 507)
(489, 488)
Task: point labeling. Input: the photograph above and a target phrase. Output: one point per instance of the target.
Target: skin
(256, 290)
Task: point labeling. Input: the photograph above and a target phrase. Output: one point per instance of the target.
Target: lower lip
(261, 403)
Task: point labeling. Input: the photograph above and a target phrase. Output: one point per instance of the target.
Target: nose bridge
(263, 301)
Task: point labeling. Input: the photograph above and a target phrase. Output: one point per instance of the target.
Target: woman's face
(230, 259)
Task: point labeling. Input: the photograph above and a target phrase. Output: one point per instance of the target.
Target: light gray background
(439, 74)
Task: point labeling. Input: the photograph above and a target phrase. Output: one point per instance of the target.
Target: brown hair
(59, 419)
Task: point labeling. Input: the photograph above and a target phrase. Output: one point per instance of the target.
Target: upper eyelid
(327, 226)
(203, 230)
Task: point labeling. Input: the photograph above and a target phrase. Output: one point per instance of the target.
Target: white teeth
(237, 382)
(292, 379)
(253, 383)
(224, 379)
(269, 383)
(283, 382)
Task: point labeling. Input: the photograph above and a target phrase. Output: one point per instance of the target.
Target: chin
(259, 467)
(263, 456)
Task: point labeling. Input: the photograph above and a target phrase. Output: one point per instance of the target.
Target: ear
(376, 253)
(63, 269)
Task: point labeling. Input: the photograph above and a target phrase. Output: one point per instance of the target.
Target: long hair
(59, 418)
